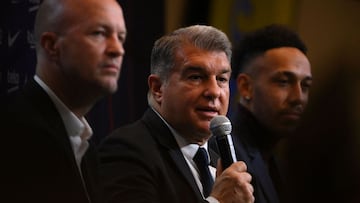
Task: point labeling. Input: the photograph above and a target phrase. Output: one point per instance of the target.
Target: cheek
(305, 98)
(169, 99)
(73, 56)
(264, 99)
(224, 100)
(270, 94)
(83, 50)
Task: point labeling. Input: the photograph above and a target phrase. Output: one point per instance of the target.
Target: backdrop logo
(12, 38)
(34, 7)
(14, 80)
(31, 39)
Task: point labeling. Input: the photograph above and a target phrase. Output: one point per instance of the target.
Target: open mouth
(208, 112)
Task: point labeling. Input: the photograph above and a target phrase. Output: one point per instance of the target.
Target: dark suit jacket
(37, 161)
(248, 137)
(142, 162)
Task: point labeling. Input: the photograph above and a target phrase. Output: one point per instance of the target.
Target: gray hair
(201, 36)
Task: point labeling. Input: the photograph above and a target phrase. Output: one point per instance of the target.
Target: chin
(110, 88)
(284, 132)
(113, 90)
(104, 91)
(205, 133)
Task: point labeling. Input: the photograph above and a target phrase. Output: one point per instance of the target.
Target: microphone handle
(226, 149)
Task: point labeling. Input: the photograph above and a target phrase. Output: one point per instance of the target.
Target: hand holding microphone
(232, 183)
(220, 126)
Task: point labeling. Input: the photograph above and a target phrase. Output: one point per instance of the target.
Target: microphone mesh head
(220, 125)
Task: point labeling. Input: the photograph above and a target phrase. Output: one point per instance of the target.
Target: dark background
(323, 158)
(145, 23)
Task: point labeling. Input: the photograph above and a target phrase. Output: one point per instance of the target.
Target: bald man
(47, 155)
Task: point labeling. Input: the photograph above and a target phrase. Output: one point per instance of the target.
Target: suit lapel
(264, 180)
(49, 118)
(164, 136)
(247, 151)
(181, 164)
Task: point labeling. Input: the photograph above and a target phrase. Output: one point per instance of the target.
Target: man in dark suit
(154, 159)
(273, 83)
(46, 155)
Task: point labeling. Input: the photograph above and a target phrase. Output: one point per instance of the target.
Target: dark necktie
(202, 162)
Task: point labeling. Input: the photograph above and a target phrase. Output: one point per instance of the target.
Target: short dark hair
(201, 36)
(259, 41)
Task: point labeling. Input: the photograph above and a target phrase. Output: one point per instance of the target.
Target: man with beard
(273, 81)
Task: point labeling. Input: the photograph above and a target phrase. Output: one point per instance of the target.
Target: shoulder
(135, 133)
(127, 141)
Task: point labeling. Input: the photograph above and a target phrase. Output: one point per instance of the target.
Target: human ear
(49, 43)
(155, 87)
(244, 86)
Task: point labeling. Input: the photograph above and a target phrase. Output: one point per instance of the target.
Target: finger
(219, 168)
(250, 188)
(239, 166)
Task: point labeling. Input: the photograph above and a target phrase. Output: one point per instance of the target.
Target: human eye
(306, 85)
(282, 81)
(223, 79)
(121, 37)
(195, 77)
(98, 32)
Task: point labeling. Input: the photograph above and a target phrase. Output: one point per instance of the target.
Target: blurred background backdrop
(330, 28)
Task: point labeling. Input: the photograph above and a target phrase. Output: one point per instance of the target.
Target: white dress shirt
(189, 150)
(78, 130)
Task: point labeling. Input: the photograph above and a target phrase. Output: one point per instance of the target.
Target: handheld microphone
(220, 126)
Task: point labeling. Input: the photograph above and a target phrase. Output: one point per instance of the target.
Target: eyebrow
(291, 74)
(200, 69)
(107, 26)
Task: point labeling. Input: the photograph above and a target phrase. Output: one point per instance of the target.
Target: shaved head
(57, 15)
(48, 17)
(79, 45)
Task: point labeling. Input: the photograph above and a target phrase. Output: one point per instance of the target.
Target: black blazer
(142, 162)
(247, 136)
(37, 161)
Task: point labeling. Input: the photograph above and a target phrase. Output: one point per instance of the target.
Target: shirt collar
(188, 149)
(74, 126)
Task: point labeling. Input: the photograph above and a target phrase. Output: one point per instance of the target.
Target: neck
(75, 100)
(80, 106)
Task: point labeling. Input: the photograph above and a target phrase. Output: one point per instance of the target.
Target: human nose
(213, 90)
(115, 46)
(298, 95)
